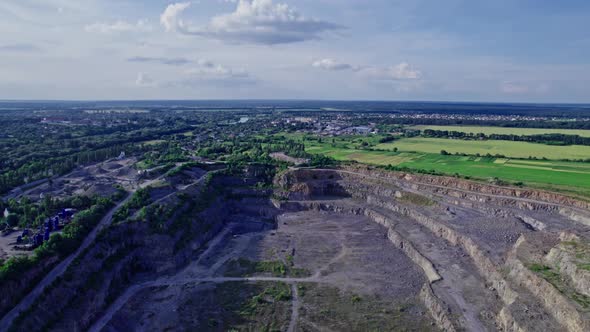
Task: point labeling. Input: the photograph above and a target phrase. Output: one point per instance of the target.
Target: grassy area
(142, 165)
(237, 306)
(581, 251)
(154, 142)
(506, 148)
(569, 177)
(416, 199)
(338, 310)
(554, 278)
(273, 292)
(246, 268)
(506, 131)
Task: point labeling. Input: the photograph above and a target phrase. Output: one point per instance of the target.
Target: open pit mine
(348, 249)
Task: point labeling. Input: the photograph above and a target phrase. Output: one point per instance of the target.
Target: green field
(569, 177)
(154, 142)
(563, 176)
(506, 131)
(506, 148)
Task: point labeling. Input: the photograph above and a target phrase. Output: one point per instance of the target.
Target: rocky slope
(534, 287)
(480, 257)
(146, 246)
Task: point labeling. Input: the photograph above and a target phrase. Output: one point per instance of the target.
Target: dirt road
(295, 310)
(197, 273)
(59, 270)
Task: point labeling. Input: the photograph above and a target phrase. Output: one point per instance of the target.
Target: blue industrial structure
(50, 225)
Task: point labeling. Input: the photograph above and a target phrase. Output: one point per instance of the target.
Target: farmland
(565, 176)
(506, 130)
(493, 147)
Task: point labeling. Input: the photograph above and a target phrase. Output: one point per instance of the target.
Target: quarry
(352, 248)
(96, 178)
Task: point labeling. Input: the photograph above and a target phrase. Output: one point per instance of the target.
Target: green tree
(12, 220)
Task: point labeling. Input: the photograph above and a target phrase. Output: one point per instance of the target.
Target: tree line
(551, 139)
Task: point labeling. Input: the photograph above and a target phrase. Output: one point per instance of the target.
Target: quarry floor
(320, 270)
(343, 274)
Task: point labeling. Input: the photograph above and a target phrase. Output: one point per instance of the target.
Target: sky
(451, 50)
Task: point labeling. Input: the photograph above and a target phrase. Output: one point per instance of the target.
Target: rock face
(476, 187)
(536, 285)
(566, 258)
(484, 258)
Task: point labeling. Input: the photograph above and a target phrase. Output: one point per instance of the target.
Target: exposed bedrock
(562, 309)
(556, 292)
(575, 215)
(416, 257)
(476, 187)
(568, 262)
(460, 191)
(438, 310)
(492, 258)
(508, 321)
(524, 300)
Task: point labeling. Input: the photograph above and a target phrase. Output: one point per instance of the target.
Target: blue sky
(502, 50)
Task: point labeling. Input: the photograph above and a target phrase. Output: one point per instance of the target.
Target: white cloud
(206, 69)
(331, 64)
(161, 60)
(253, 21)
(169, 18)
(119, 27)
(402, 71)
(201, 74)
(144, 80)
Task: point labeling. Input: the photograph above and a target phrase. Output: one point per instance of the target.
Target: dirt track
(470, 237)
(334, 263)
(360, 252)
(61, 268)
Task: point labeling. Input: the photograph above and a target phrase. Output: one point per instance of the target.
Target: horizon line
(294, 100)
